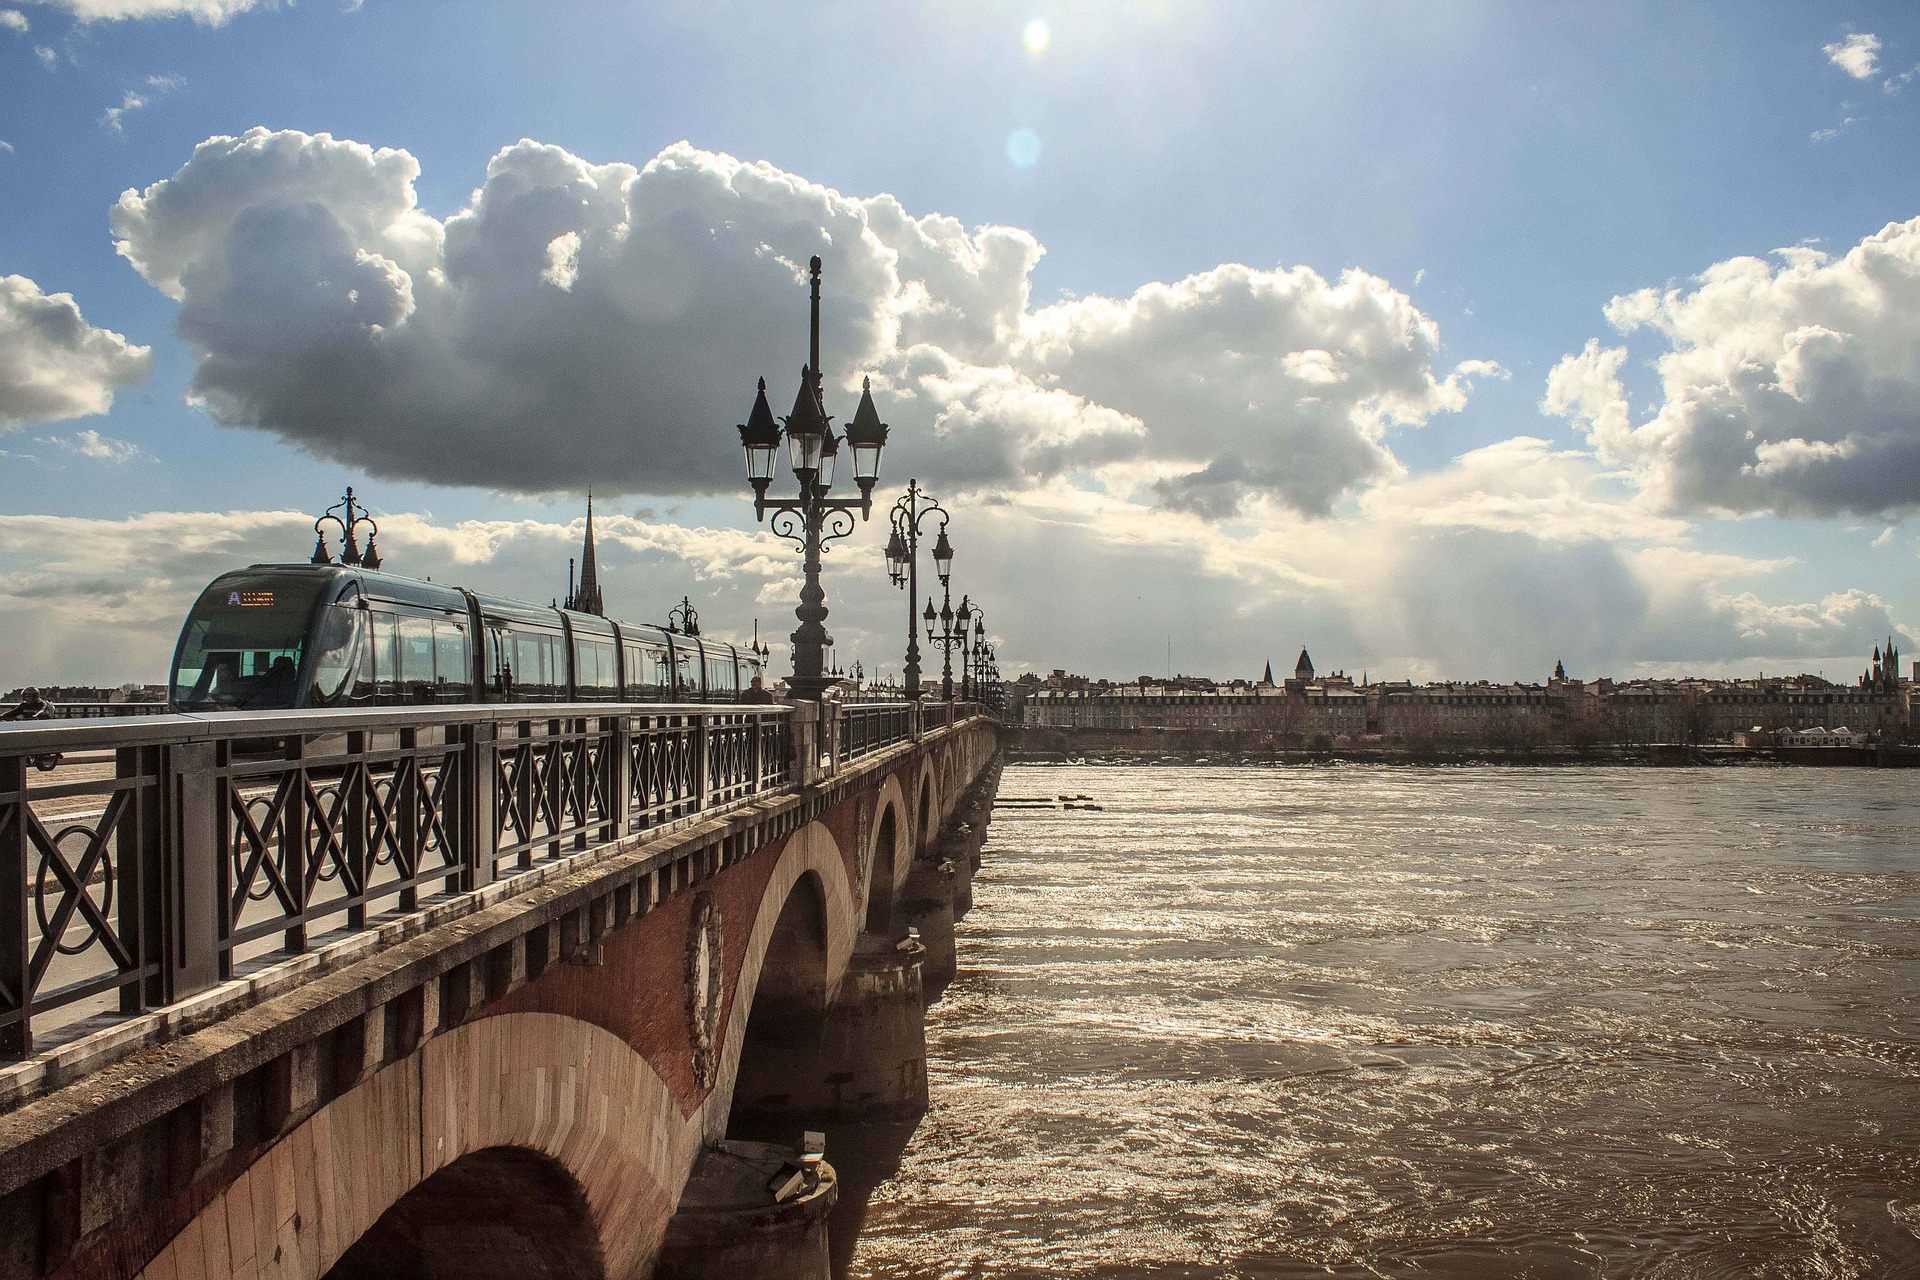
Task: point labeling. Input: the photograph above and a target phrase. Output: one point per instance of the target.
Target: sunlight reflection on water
(1454, 1022)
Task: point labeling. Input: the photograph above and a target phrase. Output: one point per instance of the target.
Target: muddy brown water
(1437, 1022)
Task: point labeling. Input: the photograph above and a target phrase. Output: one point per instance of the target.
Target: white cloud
(1791, 388)
(91, 444)
(53, 364)
(580, 321)
(6, 146)
(48, 58)
(1886, 536)
(114, 118)
(211, 13)
(13, 20)
(1858, 55)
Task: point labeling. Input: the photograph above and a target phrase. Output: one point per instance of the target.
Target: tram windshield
(243, 642)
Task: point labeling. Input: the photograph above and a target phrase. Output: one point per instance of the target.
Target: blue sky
(1503, 172)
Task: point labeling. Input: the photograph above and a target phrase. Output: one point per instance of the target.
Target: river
(1439, 1022)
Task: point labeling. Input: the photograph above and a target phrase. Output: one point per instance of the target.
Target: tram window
(416, 659)
(452, 661)
(386, 668)
(594, 673)
(723, 681)
(686, 677)
(649, 677)
(339, 647)
(538, 674)
(500, 663)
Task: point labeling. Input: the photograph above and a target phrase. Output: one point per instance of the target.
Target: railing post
(293, 841)
(16, 1036)
(191, 880)
(137, 845)
(406, 794)
(700, 770)
(806, 752)
(619, 769)
(355, 783)
(479, 811)
(758, 720)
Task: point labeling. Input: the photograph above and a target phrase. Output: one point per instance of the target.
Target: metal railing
(867, 727)
(215, 842)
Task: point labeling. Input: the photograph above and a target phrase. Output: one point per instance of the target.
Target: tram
(274, 637)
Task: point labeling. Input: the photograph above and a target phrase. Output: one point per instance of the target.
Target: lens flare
(1023, 148)
(1037, 36)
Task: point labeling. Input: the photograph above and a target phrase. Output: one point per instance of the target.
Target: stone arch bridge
(457, 991)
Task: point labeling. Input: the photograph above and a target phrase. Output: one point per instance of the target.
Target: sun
(1037, 36)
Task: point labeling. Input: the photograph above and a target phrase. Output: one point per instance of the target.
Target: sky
(1447, 341)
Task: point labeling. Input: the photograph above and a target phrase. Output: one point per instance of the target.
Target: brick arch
(949, 781)
(810, 853)
(926, 825)
(892, 797)
(540, 1082)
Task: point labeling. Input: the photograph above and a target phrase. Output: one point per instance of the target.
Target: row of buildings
(1333, 710)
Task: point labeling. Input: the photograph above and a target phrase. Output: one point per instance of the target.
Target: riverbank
(1225, 746)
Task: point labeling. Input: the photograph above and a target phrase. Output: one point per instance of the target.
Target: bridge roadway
(465, 991)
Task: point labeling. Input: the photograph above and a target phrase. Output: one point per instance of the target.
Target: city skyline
(1603, 351)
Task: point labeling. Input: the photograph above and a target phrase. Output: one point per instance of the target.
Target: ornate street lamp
(903, 564)
(684, 619)
(979, 644)
(812, 519)
(951, 633)
(350, 522)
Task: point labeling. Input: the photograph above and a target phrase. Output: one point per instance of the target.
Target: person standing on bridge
(756, 692)
(33, 707)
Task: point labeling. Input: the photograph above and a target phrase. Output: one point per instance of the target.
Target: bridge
(466, 990)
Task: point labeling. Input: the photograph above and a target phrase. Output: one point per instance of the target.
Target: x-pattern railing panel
(313, 838)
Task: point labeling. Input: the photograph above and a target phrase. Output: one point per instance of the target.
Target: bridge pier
(939, 889)
(864, 1060)
(729, 1226)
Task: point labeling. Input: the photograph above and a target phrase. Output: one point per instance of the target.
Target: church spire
(586, 599)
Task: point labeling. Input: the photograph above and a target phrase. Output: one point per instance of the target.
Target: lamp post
(950, 635)
(812, 519)
(684, 619)
(979, 647)
(903, 564)
(355, 516)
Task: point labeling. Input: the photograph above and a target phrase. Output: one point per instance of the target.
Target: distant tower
(1559, 671)
(586, 599)
(1303, 669)
(1267, 679)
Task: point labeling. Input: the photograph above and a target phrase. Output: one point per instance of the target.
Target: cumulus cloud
(603, 323)
(1790, 387)
(210, 13)
(13, 20)
(1858, 55)
(53, 364)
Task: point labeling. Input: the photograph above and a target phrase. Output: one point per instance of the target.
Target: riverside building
(1311, 709)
